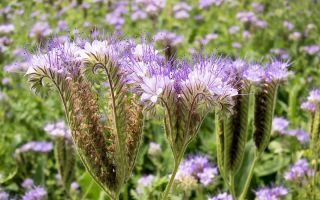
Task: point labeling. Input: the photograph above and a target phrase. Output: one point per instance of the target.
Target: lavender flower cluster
(35, 146)
(58, 129)
(312, 101)
(280, 125)
(298, 171)
(221, 196)
(274, 193)
(194, 170)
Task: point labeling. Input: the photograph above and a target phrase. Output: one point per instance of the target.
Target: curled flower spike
(107, 147)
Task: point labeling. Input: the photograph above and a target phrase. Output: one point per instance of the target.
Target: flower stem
(231, 188)
(249, 178)
(175, 170)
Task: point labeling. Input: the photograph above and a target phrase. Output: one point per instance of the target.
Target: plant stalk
(249, 178)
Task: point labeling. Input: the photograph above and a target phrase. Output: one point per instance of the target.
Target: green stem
(175, 170)
(314, 178)
(249, 178)
(231, 187)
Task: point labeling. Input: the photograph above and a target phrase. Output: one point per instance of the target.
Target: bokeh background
(254, 30)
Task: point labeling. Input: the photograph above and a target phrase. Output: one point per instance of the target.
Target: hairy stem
(175, 170)
(231, 188)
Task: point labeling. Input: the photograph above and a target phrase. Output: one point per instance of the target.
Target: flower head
(37, 193)
(58, 129)
(144, 182)
(36, 146)
(280, 125)
(197, 167)
(221, 196)
(301, 135)
(27, 183)
(274, 193)
(298, 170)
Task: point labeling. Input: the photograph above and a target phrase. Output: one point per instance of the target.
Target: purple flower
(274, 193)
(36, 146)
(300, 134)
(233, 29)
(288, 25)
(4, 195)
(6, 80)
(207, 38)
(152, 7)
(40, 30)
(282, 53)
(311, 49)
(168, 38)
(37, 193)
(181, 10)
(236, 45)
(246, 34)
(308, 106)
(58, 129)
(138, 15)
(314, 96)
(295, 36)
(144, 182)
(257, 7)
(246, 16)
(74, 186)
(154, 148)
(6, 28)
(62, 25)
(208, 3)
(197, 167)
(298, 170)
(27, 183)
(280, 125)
(276, 71)
(221, 196)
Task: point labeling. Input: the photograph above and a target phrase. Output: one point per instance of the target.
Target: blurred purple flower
(246, 34)
(308, 106)
(288, 25)
(295, 36)
(221, 196)
(300, 134)
(280, 125)
(257, 7)
(6, 28)
(207, 38)
(233, 29)
(181, 10)
(40, 30)
(282, 53)
(27, 183)
(144, 182)
(311, 49)
(299, 170)
(58, 129)
(314, 96)
(37, 193)
(207, 3)
(154, 148)
(36, 146)
(236, 45)
(62, 25)
(6, 80)
(4, 195)
(168, 38)
(271, 193)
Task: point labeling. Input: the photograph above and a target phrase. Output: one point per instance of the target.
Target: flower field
(159, 100)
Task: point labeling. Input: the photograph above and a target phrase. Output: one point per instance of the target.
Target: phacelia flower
(4, 195)
(276, 71)
(311, 49)
(233, 29)
(288, 25)
(314, 96)
(37, 193)
(154, 148)
(308, 106)
(58, 129)
(181, 10)
(197, 167)
(36, 146)
(144, 182)
(221, 196)
(280, 125)
(40, 30)
(281, 53)
(298, 170)
(6, 28)
(27, 183)
(301, 135)
(268, 193)
(207, 38)
(167, 38)
(207, 3)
